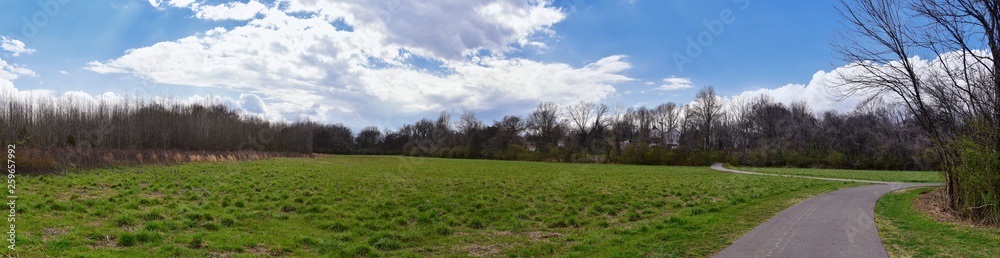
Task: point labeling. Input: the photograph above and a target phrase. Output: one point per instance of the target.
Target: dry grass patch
(934, 203)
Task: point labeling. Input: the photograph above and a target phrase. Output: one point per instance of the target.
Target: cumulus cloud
(8, 92)
(674, 83)
(10, 72)
(826, 90)
(15, 47)
(303, 65)
(253, 104)
(451, 29)
(230, 11)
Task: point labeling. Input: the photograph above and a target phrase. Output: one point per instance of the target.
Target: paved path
(835, 224)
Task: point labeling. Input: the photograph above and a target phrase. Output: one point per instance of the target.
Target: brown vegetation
(50, 160)
(934, 203)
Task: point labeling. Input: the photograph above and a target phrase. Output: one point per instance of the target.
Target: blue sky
(386, 63)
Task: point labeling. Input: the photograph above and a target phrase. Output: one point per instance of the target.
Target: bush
(975, 182)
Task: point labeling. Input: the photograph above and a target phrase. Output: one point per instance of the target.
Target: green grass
(909, 233)
(874, 175)
(396, 206)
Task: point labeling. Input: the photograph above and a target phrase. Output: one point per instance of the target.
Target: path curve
(836, 224)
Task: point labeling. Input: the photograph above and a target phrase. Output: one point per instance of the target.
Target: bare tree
(667, 116)
(596, 141)
(544, 124)
(705, 113)
(954, 97)
(469, 123)
(581, 114)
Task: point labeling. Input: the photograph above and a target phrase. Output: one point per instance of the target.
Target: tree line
(758, 131)
(57, 134)
(137, 124)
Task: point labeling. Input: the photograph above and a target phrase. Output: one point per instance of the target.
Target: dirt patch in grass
(55, 231)
(258, 250)
(108, 242)
(50, 232)
(934, 203)
(489, 250)
(153, 195)
(542, 236)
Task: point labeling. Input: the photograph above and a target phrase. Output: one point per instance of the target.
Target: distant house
(530, 146)
(655, 137)
(673, 138)
(669, 139)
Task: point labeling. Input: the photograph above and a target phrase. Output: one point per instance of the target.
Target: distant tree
(335, 138)
(667, 118)
(545, 125)
(505, 135)
(706, 112)
(368, 140)
(581, 116)
(472, 135)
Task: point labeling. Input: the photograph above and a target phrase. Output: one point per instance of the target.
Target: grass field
(874, 175)
(396, 206)
(909, 233)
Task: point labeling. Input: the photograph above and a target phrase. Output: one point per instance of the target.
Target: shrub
(976, 182)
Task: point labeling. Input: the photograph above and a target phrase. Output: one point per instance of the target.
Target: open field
(874, 175)
(396, 206)
(910, 233)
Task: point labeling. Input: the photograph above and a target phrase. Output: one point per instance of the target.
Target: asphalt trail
(836, 224)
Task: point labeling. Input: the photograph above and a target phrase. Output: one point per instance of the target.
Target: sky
(386, 63)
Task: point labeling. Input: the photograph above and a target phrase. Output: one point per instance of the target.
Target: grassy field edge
(907, 232)
(874, 175)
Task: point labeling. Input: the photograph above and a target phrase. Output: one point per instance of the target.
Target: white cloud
(15, 47)
(173, 3)
(450, 29)
(253, 104)
(10, 72)
(102, 68)
(824, 91)
(230, 11)
(302, 65)
(674, 83)
(63, 72)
